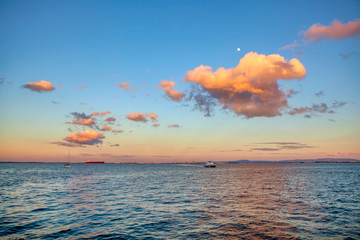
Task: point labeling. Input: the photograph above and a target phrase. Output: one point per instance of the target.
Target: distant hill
(318, 160)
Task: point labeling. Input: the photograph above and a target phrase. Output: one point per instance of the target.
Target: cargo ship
(94, 162)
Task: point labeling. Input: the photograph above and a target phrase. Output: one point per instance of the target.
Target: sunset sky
(176, 81)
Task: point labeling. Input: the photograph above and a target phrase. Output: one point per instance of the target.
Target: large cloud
(168, 88)
(336, 30)
(251, 88)
(88, 137)
(41, 86)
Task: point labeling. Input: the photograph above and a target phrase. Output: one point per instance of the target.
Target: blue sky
(103, 43)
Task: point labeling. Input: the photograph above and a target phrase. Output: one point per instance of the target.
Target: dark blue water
(232, 201)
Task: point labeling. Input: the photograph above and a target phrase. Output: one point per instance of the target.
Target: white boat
(209, 164)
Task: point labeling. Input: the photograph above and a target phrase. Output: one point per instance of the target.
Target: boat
(94, 162)
(67, 165)
(210, 164)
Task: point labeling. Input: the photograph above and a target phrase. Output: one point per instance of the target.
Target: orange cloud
(336, 30)
(251, 88)
(156, 125)
(126, 87)
(88, 137)
(41, 86)
(117, 131)
(168, 88)
(100, 113)
(153, 117)
(106, 128)
(174, 126)
(137, 117)
(83, 121)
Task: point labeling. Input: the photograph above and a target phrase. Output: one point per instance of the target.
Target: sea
(180, 201)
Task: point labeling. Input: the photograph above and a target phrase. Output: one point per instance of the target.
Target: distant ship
(67, 165)
(94, 162)
(210, 164)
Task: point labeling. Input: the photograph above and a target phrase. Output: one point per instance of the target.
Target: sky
(179, 81)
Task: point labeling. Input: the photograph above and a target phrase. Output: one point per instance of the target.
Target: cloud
(106, 128)
(153, 117)
(82, 86)
(88, 137)
(168, 88)
(174, 126)
(82, 119)
(251, 88)
(317, 108)
(137, 117)
(291, 46)
(277, 146)
(55, 102)
(110, 119)
(65, 144)
(204, 102)
(156, 125)
(319, 94)
(141, 117)
(336, 30)
(41, 86)
(100, 113)
(126, 87)
(117, 131)
(347, 55)
(115, 145)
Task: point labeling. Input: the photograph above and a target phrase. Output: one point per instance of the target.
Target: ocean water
(174, 201)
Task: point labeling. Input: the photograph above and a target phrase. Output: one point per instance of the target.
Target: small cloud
(110, 119)
(291, 46)
(126, 87)
(137, 117)
(337, 104)
(100, 113)
(265, 149)
(83, 103)
(82, 87)
(331, 120)
(65, 144)
(156, 125)
(115, 145)
(55, 102)
(117, 131)
(336, 30)
(276, 146)
(347, 55)
(168, 88)
(307, 116)
(41, 86)
(319, 94)
(88, 137)
(300, 53)
(106, 128)
(153, 117)
(174, 126)
(82, 119)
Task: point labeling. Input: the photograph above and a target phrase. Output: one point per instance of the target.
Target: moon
(238, 49)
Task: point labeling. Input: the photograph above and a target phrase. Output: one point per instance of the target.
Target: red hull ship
(94, 162)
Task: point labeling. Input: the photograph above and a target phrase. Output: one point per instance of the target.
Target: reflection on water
(247, 201)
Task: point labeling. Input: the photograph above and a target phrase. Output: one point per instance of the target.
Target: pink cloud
(106, 128)
(41, 86)
(291, 46)
(251, 88)
(174, 126)
(126, 87)
(88, 137)
(117, 131)
(100, 113)
(153, 117)
(156, 125)
(110, 119)
(137, 117)
(168, 88)
(336, 30)
(82, 86)
(83, 121)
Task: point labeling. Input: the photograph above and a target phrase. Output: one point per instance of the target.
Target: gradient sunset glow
(125, 81)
